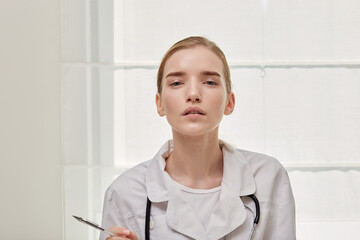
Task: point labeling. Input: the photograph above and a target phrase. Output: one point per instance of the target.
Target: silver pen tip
(77, 218)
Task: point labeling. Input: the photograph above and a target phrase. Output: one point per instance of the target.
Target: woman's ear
(230, 105)
(159, 105)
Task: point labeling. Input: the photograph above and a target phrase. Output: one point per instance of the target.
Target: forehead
(197, 58)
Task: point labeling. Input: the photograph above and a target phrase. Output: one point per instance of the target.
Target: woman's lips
(194, 116)
(193, 111)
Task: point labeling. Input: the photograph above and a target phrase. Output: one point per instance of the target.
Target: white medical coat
(172, 217)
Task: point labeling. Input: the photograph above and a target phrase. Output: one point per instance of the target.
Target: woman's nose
(193, 94)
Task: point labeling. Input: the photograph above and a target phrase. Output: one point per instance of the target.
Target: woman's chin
(195, 131)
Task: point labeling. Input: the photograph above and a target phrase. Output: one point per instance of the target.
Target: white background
(295, 70)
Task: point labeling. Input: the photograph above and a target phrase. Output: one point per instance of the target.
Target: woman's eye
(174, 84)
(211, 83)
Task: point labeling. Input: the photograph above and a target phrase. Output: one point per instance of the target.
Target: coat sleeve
(284, 212)
(111, 214)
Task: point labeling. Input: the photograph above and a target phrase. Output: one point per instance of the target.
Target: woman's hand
(123, 234)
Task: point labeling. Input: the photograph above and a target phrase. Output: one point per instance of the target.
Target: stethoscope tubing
(252, 196)
(147, 219)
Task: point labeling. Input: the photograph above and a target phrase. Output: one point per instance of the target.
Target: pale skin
(194, 99)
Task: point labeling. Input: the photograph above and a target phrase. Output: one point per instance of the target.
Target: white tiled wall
(303, 107)
(151, 27)
(319, 30)
(313, 114)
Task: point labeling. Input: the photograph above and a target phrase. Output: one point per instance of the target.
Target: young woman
(197, 186)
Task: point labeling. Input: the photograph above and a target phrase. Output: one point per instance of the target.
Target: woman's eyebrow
(210, 73)
(175, 74)
(204, 73)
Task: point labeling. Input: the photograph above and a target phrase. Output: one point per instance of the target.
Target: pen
(94, 225)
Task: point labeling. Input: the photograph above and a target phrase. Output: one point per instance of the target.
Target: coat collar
(228, 214)
(158, 182)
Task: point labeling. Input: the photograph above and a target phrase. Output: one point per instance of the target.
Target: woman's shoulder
(269, 174)
(259, 160)
(266, 169)
(127, 193)
(132, 180)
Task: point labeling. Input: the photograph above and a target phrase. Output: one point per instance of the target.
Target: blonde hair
(191, 42)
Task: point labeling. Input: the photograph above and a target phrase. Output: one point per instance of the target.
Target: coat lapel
(228, 214)
(181, 217)
(237, 181)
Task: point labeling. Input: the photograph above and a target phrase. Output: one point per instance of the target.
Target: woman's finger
(120, 231)
(123, 233)
(132, 236)
(117, 238)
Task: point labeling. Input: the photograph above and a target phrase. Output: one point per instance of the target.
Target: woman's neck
(196, 162)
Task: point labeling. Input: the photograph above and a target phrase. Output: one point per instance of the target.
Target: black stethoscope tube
(147, 219)
(148, 210)
(257, 208)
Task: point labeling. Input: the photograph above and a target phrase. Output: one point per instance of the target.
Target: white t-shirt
(201, 200)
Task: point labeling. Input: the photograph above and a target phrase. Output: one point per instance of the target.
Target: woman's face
(194, 97)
